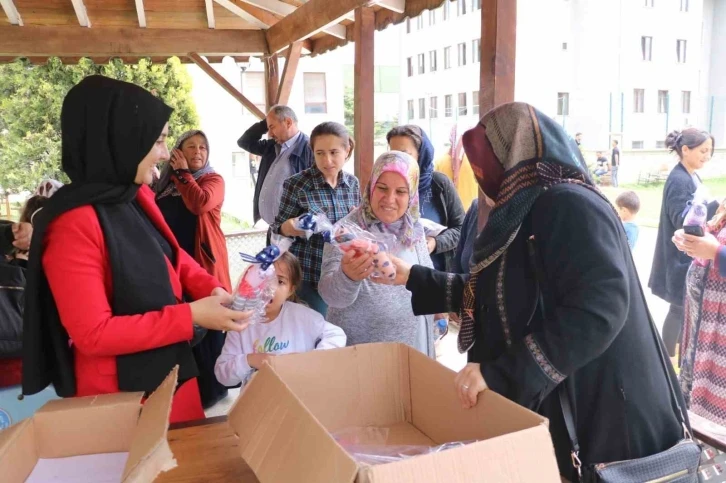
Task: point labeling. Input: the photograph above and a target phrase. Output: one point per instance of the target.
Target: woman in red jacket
(190, 195)
(104, 300)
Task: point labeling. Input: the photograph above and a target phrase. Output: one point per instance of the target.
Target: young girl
(290, 327)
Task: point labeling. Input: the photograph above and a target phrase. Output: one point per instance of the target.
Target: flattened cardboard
(281, 440)
(284, 417)
(17, 451)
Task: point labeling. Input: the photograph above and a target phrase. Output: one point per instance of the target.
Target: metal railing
(247, 241)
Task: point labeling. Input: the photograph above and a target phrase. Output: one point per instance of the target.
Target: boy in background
(628, 205)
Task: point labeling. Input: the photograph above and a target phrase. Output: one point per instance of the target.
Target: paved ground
(448, 354)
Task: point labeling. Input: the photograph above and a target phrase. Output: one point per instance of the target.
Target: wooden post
(364, 29)
(288, 73)
(272, 81)
(498, 54)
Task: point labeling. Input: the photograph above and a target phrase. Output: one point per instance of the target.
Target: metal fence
(249, 241)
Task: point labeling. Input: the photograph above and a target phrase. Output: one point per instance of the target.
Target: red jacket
(76, 264)
(204, 198)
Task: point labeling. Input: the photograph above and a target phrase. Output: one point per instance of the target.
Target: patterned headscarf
(407, 229)
(535, 154)
(164, 187)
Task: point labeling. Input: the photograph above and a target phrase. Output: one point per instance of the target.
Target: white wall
(717, 73)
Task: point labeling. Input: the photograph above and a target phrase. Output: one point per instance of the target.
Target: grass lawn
(651, 197)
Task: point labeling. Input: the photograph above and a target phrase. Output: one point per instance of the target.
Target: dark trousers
(672, 328)
(312, 298)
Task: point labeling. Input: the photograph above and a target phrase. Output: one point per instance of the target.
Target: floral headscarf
(406, 229)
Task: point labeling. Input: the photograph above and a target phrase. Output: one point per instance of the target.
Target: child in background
(628, 205)
(290, 327)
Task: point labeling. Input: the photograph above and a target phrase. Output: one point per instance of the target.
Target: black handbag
(677, 464)
(12, 300)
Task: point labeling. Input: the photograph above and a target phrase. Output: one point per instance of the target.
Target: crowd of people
(127, 273)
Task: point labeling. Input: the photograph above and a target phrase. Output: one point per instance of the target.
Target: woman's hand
(219, 291)
(403, 270)
(288, 228)
(211, 313)
(431, 243)
(704, 247)
(178, 160)
(357, 266)
(469, 383)
(257, 360)
(22, 232)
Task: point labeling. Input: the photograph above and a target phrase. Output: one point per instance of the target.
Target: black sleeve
(251, 141)
(580, 249)
(676, 196)
(6, 237)
(449, 238)
(434, 292)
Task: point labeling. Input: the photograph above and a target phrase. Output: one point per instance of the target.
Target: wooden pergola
(193, 29)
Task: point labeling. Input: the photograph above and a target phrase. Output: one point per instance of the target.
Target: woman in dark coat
(437, 194)
(668, 275)
(596, 337)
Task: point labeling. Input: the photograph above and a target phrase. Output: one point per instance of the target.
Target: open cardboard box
(91, 437)
(285, 416)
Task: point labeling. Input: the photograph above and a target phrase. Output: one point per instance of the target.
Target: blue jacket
(251, 141)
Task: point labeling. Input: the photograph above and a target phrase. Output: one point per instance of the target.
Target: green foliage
(380, 129)
(30, 103)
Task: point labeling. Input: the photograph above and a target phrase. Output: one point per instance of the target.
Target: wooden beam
(364, 30)
(81, 13)
(498, 55)
(272, 80)
(36, 41)
(235, 9)
(398, 6)
(11, 12)
(307, 47)
(216, 77)
(284, 9)
(209, 4)
(288, 74)
(141, 13)
(308, 20)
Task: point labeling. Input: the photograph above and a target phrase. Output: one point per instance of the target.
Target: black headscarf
(108, 127)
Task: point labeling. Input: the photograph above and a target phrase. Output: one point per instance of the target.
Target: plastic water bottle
(441, 327)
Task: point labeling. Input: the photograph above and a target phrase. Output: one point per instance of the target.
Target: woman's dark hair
(32, 204)
(295, 272)
(410, 131)
(333, 129)
(690, 137)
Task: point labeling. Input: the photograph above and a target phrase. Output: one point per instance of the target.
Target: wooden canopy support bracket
(141, 13)
(11, 12)
(272, 80)
(364, 30)
(81, 13)
(498, 55)
(209, 70)
(288, 74)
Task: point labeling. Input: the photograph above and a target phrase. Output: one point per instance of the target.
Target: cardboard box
(63, 435)
(284, 418)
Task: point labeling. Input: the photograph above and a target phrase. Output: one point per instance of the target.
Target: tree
(380, 128)
(30, 103)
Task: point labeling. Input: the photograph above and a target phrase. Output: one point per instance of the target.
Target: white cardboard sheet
(93, 468)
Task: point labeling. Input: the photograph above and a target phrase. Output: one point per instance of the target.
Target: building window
(637, 144)
(422, 108)
(432, 61)
(447, 57)
(638, 100)
(462, 54)
(564, 46)
(660, 145)
(686, 102)
(462, 104)
(681, 47)
(409, 66)
(646, 45)
(476, 50)
(421, 64)
(316, 101)
(563, 103)
(433, 107)
(662, 102)
(461, 7)
(420, 22)
(475, 102)
(432, 17)
(684, 5)
(410, 110)
(475, 5)
(650, 3)
(408, 25)
(448, 107)
(447, 13)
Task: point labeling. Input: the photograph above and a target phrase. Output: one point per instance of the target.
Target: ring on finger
(465, 387)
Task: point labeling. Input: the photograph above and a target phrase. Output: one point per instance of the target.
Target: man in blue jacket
(285, 152)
